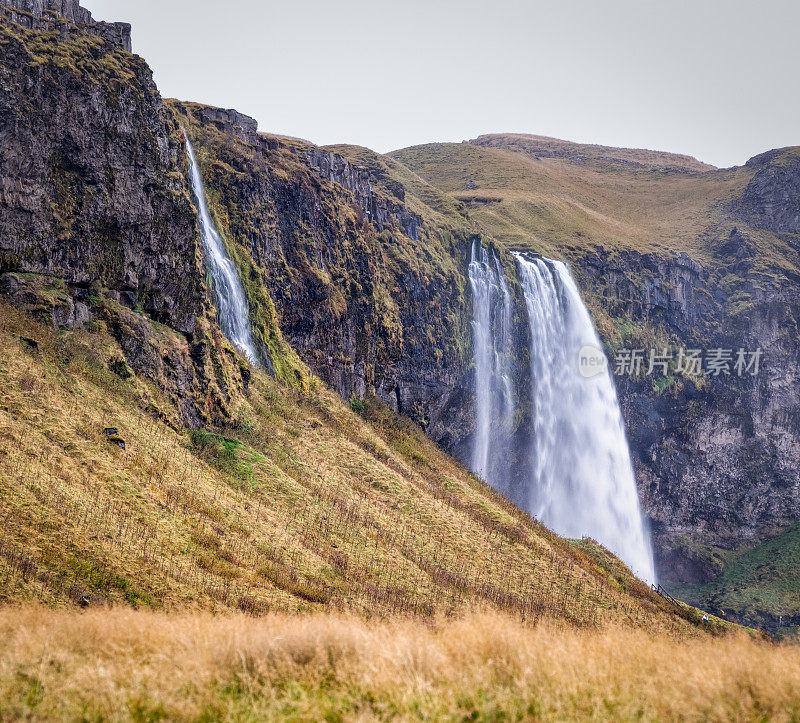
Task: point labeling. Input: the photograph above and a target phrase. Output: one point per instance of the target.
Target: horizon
(627, 75)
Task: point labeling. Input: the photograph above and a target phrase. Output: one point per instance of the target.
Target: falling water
(232, 311)
(582, 477)
(494, 399)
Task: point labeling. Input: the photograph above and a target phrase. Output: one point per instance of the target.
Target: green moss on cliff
(83, 54)
(284, 361)
(755, 580)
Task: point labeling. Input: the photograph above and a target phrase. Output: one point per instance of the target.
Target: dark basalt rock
(771, 199)
(88, 185)
(383, 212)
(366, 319)
(716, 464)
(50, 14)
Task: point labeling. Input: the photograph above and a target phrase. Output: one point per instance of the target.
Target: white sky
(718, 79)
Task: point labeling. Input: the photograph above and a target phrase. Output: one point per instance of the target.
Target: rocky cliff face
(716, 457)
(57, 15)
(96, 220)
(772, 198)
(383, 212)
(88, 182)
(372, 299)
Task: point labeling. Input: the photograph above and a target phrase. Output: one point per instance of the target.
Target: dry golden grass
(561, 208)
(124, 665)
(301, 506)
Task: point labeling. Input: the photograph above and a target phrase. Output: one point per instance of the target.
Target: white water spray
(494, 398)
(583, 481)
(232, 310)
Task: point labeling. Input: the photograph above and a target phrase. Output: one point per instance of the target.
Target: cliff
(97, 224)
(371, 296)
(58, 15)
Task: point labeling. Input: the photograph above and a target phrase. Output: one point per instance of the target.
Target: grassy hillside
(755, 580)
(120, 665)
(302, 504)
(591, 154)
(561, 199)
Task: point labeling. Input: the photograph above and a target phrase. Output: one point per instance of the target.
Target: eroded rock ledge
(53, 14)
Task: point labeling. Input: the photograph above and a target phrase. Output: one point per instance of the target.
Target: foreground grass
(125, 665)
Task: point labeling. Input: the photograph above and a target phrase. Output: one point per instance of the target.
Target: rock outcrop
(52, 14)
(382, 212)
(772, 198)
(89, 181)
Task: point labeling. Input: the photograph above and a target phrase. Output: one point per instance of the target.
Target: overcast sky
(717, 79)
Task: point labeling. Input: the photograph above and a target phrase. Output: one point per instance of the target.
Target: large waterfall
(577, 475)
(232, 310)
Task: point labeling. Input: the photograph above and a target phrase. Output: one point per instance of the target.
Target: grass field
(125, 665)
(564, 205)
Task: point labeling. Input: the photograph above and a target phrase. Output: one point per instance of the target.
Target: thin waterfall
(232, 310)
(492, 344)
(582, 477)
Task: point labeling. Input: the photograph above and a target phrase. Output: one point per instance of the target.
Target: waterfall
(570, 466)
(232, 310)
(582, 480)
(492, 343)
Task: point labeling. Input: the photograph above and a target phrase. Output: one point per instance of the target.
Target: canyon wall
(717, 457)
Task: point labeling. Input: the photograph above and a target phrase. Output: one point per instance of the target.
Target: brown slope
(585, 153)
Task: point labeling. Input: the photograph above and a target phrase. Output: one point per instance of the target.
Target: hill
(563, 199)
(186, 535)
(757, 584)
(590, 154)
(299, 504)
